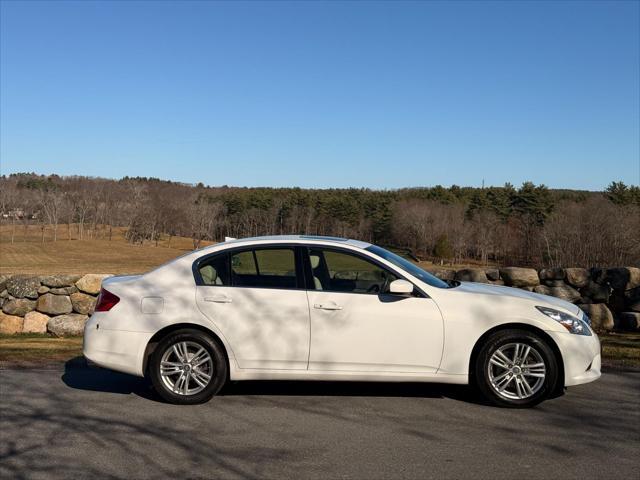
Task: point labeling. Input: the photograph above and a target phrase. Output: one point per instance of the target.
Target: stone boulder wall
(471, 275)
(57, 281)
(35, 322)
(564, 292)
(632, 299)
(90, 283)
(83, 303)
(54, 304)
(552, 274)
(18, 306)
(57, 304)
(577, 277)
(519, 277)
(10, 324)
(23, 286)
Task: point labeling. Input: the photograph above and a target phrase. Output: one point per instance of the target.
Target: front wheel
(187, 367)
(516, 368)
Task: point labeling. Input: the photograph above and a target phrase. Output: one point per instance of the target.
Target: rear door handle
(327, 306)
(218, 299)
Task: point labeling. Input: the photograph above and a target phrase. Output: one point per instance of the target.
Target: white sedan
(324, 308)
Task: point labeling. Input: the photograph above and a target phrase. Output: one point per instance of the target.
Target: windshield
(408, 266)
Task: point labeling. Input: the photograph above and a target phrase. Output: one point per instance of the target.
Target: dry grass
(69, 254)
(620, 350)
(28, 254)
(32, 350)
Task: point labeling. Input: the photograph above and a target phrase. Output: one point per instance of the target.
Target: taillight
(106, 301)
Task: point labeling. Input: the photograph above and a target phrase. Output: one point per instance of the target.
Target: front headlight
(571, 323)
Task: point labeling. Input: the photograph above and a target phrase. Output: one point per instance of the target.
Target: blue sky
(324, 94)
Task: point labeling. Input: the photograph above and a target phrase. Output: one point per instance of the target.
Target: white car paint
(280, 334)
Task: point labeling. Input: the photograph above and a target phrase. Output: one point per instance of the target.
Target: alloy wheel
(516, 371)
(186, 368)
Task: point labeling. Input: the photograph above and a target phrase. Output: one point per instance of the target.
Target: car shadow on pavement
(79, 375)
(82, 376)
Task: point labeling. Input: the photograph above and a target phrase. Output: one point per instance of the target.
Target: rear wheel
(516, 368)
(187, 367)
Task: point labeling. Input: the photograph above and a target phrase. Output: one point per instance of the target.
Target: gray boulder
(630, 321)
(552, 274)
(632, 299)
(597, 292)
(3, 281)
(54, 304)
(43, 289)
(617, 302)
(542, 290)
(624, 278)
(554, 283)
(497, 282)
(64, 290)
(71, 325)
(565, 292)
(83, 303)
(19, 306)
(471, 275)
(519, 277)
(442, 273)
(601, 317)
(577, 277)
(57, 281)
(23, 286)
(493, 274)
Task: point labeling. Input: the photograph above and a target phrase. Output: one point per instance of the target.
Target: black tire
(504, 339)
(217, 368)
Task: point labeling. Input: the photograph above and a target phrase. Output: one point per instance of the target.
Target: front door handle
(218, 299)
(327, 306)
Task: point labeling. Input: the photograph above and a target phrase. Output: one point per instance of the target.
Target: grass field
(30, 255)
(69, 254)
(34, 350)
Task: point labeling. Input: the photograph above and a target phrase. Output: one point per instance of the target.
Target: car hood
(542, 300)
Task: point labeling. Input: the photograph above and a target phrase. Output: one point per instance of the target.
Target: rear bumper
(581, 357)
(118, 350)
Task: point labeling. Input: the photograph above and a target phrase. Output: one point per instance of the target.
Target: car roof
(299, 238)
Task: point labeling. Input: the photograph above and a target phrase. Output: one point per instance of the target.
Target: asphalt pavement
(76, 421)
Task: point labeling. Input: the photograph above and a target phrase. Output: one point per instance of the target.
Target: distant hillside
(527, 225)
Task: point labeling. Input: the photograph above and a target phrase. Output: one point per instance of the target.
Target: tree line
(529, 225)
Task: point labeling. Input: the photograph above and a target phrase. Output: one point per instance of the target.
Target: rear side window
(215, 271)
(264, 268)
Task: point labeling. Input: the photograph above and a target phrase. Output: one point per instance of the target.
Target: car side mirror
(400, 287)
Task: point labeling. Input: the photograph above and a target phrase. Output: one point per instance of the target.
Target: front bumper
(118, 350)
(580, 355)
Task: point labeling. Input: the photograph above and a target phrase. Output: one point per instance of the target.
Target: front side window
(343, 272)
(264, 268)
